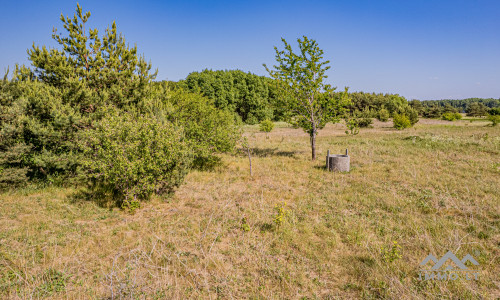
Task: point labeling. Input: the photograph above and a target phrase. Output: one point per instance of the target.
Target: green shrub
(364, 122)
(352, 126)
(130, 158)
(450, 116)
(282, 213)
(266, 126)
(495, 119)
(494, 111)
(208, 130)
(412, 115)
(37, 133)
(401, 121)
(383, 115)
(368, 113)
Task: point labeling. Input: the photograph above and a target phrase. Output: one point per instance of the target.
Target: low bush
(412, 115)
(208, 130)
(383, 115)
(266, 126)
(401, 121)
(495, 119)
(364, 122)
(450, 116)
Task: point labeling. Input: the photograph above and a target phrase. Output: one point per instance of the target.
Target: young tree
(266, 126)
(300, 77)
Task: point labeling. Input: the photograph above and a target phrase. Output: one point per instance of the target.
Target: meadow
(292, 230)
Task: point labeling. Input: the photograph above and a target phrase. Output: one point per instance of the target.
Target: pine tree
(88, 65)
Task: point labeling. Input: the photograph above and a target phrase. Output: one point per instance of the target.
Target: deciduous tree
(301, 76)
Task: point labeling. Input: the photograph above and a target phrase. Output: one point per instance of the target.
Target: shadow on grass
(266, 227)
(100, 197)
(268, 152)
(321, 167)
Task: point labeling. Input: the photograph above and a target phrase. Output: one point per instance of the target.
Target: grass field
(225, 234)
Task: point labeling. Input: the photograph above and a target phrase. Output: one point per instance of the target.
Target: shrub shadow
(267, 152)
(101, 198)
(321, 167)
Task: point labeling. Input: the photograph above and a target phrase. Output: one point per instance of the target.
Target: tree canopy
(250, 96)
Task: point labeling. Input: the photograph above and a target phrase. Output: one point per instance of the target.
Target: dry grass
(431, 188)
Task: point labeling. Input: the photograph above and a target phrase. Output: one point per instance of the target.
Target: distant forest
(462, 104)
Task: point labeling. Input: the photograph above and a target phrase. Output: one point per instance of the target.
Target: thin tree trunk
(250, 160)
(313, 145)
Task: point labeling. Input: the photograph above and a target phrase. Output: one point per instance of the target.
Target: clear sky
(421, 49)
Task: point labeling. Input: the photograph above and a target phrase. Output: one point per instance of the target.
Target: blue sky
(420, 49)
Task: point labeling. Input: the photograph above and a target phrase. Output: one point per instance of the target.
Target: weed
(244, 225)
(281, 214)
(53, 281)
(392, 253)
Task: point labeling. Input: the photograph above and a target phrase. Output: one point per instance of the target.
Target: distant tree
(476, 109)
(432, 112)
(300, 77)
(462, 104)
(417, 105)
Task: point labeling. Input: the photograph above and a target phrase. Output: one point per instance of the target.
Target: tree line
(475, 107)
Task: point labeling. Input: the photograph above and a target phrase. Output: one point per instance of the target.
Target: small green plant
(401, 121)
(392, 253)
(53, 281)
(244, 225)
(352, 126)
(383, 115)
(281, 214)
(266, 126)
(494, 119)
